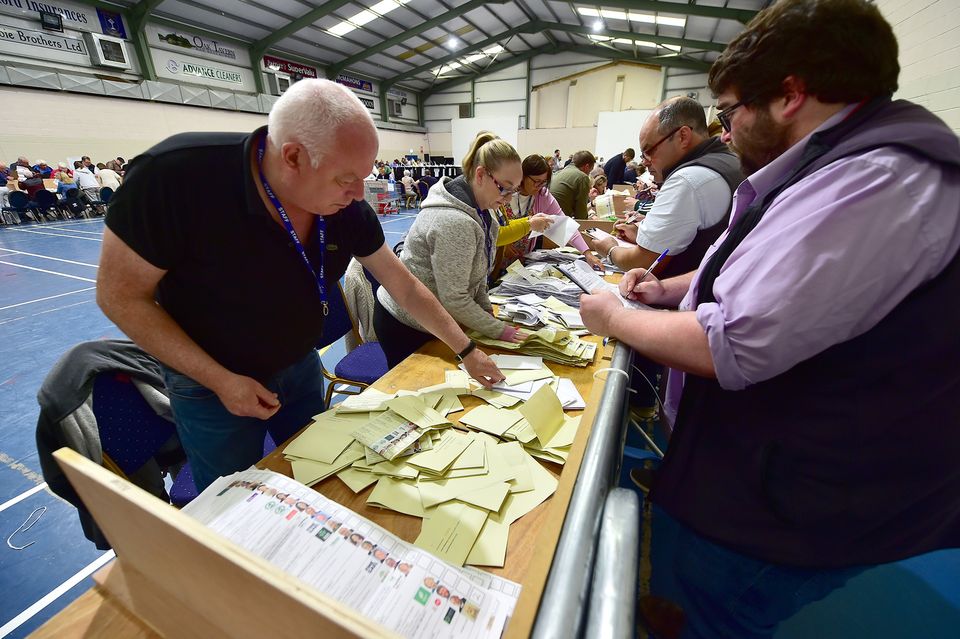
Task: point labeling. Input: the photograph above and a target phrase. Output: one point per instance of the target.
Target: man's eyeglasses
(647, 154)
(724, 116)
(503, 190)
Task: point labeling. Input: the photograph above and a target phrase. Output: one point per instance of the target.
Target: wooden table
(532, 540)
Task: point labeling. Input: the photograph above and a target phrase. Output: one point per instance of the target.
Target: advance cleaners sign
(190, 68)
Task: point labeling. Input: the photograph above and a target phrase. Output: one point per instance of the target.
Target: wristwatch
(462, 355)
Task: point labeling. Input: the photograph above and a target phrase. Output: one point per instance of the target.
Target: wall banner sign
(195, 44)
(111, 23)
(31, 38)
(367, 102)
(199, 70)
(353, 83)
(396, 93)
(76, 16)
(286, 66)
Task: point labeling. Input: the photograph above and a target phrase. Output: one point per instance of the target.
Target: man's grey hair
(311, 112)
(681, 111)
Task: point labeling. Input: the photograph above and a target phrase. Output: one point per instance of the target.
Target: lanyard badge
(321, 230)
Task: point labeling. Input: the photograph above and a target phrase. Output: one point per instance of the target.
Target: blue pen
(652, 266)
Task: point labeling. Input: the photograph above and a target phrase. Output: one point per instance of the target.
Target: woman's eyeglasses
(503, 190)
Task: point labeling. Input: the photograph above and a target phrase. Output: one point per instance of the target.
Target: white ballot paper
(405, 589)
(561, 229)
(587, 279)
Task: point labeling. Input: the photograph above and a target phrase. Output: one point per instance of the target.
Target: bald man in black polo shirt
(227, 284)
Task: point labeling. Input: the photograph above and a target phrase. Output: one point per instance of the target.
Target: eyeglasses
(724, 116)
(503, 190)
(538, 184)
(647, 154)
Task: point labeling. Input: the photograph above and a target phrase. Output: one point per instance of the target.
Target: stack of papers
(539, 280)
(550, 343)
(407, 590)
(468, 485)
(561, 255)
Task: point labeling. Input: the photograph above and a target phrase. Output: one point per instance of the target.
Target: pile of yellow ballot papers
(550, 342)
(468, 481)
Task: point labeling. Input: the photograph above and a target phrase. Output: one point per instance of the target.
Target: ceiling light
(341, 29)
(598, 25)
(452, 43)
(363, 18)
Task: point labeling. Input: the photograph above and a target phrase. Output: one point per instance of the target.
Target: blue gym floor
(47, 275)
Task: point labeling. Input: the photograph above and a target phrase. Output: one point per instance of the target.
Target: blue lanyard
(321, 229)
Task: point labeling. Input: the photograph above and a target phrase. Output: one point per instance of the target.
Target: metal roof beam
(701, 45)
(657, 6)
(334, 69)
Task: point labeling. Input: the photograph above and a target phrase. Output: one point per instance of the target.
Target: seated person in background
(597, 169)
(108, 176)
(65, 179)
(32, 184)
(23, 168)
(451, 248)
(427, 180)
(87, 181)
(42, 169)
(533, 198)
(630, 174)
(571, 185)
(699, 175)
(598, 187)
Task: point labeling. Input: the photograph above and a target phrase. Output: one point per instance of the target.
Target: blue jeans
(218, 442)
(726, 594)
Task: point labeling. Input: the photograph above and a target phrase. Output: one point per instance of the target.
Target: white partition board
(463, 131)
(619, 130)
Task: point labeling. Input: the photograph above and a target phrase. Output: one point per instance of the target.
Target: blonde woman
(598, 187)
(451, 247)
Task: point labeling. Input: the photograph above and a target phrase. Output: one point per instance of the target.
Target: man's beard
(761, 144)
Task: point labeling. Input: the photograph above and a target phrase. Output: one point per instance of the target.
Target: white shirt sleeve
(691, 199)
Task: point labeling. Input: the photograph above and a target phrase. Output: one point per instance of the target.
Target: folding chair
(359, 368)
(73, 205)
(184, 490)
(19, 207)
(47, 204)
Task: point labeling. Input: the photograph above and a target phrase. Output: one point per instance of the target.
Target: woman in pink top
(533, 198)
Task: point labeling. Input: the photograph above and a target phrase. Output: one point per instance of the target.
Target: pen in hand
(652, 266)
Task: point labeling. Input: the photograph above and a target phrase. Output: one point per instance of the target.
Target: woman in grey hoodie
(451, 246)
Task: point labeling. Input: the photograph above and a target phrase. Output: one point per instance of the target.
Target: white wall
(116, 126)
(928, 32)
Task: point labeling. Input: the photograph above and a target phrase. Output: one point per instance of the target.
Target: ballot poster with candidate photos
(404, 588)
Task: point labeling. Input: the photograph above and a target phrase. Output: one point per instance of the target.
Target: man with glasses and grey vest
(698, 174)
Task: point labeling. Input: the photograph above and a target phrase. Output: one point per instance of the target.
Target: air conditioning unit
(394, 108)
(277, 83)
(107, 51)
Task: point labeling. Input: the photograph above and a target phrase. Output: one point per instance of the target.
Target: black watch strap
(469, 349)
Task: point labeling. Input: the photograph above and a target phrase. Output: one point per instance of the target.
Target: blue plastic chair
(131, 433)
(359, 368)
(184, 490)
(46, 203)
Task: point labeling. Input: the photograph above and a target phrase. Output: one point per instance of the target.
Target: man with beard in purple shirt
(819, 330)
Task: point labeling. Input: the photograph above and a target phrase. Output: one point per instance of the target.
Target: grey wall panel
(81, 84)
(26, 77)
(223, 100)
(247, 102)
(195, 95)
(123, 89)
(4, 76)
(266, 102)
(163, 91)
